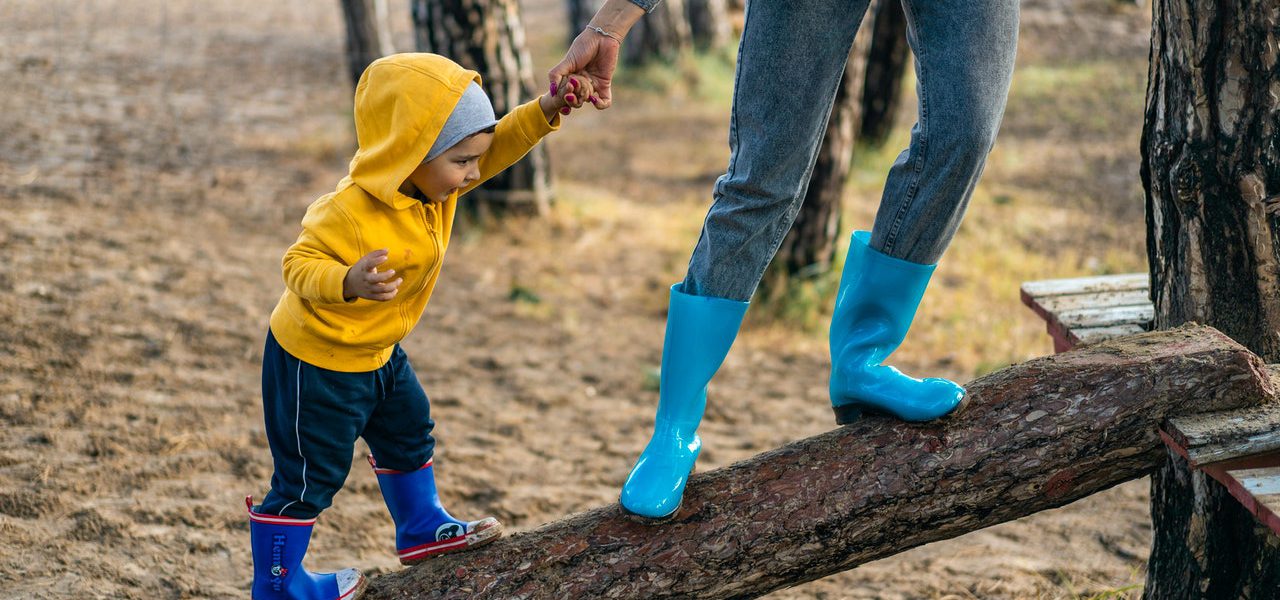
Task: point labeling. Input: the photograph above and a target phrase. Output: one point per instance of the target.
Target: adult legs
(790, 63)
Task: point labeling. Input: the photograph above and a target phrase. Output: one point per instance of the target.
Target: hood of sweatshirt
(402, 102)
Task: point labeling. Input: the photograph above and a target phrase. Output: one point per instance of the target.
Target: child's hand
(576, 92)
(364, 281)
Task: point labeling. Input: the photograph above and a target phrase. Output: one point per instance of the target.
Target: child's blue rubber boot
(279, 544)
(700, 331)
(878, 298)
(423, 528)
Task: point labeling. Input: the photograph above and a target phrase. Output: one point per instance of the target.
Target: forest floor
(155, 160)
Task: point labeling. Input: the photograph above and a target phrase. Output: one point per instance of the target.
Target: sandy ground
(155, 159)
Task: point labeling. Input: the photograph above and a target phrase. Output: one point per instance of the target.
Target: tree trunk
(1206, 544)
(887, 62)
(580, 13)
(809, 248)
(1034, 436)
(709, 23)
(662, 35)
(486, 36)
(1211, 170)
(368, 36)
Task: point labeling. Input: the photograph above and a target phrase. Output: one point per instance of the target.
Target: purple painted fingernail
(553, 88)
(570, 98)
(573, 83)
(594, 99)
(565, 110)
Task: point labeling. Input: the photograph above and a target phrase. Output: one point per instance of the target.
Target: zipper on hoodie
(433, 230)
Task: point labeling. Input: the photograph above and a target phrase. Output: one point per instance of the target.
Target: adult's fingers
(602, 99)
(580, 53)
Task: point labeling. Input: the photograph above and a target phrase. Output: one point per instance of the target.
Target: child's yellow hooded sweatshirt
(401, 104)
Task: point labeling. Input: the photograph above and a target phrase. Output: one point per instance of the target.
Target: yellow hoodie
(401, 104)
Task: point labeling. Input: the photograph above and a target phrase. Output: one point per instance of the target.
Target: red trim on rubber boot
(428, 550)
(274, 519)
(380, 471)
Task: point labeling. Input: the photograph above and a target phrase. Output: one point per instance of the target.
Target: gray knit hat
(474, 113)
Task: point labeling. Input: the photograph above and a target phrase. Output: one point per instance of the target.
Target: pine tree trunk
(809, 248)
(1211, 169)
(486, 36)
(580, 13)
(662, 35)
(887, 62)
(367, 35)
(709, 23)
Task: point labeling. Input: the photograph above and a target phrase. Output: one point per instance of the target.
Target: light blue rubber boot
(878, 298)
(424, 529)
(279, 544)
(700, 331)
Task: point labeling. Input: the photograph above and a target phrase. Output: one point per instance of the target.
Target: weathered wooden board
(1081, 285)
(1263, 486)
(1086, 310)
(1217, 437)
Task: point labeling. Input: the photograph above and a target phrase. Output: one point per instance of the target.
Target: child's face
(455, 168)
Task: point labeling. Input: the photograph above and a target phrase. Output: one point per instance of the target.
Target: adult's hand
(595, 54)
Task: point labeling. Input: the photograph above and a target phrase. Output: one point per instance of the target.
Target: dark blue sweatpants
(314, 415)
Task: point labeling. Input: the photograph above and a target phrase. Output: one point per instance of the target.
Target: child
(357, 280)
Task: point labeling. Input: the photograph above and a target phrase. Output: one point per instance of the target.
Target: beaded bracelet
(601, 31)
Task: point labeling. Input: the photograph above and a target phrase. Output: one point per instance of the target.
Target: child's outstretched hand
(364, 281)
(575, 93)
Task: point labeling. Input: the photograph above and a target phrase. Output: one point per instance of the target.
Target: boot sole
(357, 592)
(480, 538)
(643, 520)
(850, 413)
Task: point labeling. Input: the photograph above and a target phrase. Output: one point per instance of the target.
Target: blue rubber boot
(424, 529)
(878, 298)
(279, 544)
(700, 331)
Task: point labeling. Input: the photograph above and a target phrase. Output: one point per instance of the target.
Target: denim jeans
(790, 62)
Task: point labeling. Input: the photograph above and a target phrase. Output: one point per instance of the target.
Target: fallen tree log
(1034, 436)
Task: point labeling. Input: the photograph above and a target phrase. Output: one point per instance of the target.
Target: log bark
(1211, 169)
(1034, 436)
(486, 36)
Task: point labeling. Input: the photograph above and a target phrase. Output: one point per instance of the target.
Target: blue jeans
(790, 62)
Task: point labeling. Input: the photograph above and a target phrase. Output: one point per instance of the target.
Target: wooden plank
(1057, 304)
(1257, 490)
(1216, 437)
(1093, 335)
(1082, 285)
(1082, 318)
